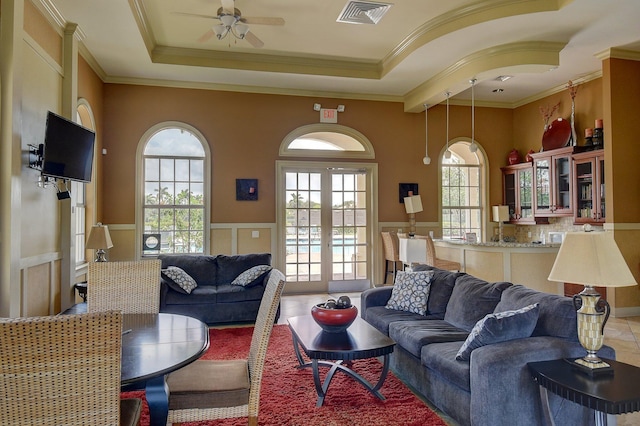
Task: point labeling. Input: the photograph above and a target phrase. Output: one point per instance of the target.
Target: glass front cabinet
(589, 194)
(518, 192)
(552, 173)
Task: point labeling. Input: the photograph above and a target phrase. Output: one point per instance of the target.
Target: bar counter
(528, 264)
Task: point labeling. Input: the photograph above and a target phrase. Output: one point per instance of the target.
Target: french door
(325, 225)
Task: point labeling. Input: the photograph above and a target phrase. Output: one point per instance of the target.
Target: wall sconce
(316, 107)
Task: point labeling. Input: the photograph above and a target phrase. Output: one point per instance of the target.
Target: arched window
(463, 190)
(83, 193)
(175, 178)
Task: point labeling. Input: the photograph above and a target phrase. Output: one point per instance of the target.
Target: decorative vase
(513, 157)
(528, 158)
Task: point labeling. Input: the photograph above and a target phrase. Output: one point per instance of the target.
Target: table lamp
(413, 205)
(594, 260)
(500, 215)
(100, 240)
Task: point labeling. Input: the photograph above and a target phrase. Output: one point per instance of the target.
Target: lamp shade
(592, 259)
(413, 204)
(500, 213)
(99, 237)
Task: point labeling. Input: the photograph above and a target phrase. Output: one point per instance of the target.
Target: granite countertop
(501, 244)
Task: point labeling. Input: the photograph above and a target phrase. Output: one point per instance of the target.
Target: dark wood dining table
(153, 345)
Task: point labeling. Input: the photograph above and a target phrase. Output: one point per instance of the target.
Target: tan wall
(528, 125)
(245, 132)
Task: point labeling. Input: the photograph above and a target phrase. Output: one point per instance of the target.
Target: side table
(81, 289)
(616, 393)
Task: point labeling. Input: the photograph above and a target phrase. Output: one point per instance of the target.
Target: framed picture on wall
(407, 190)
(246, 189)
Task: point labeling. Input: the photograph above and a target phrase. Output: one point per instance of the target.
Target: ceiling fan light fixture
(220, 31)
(228, 20)
(241, 30)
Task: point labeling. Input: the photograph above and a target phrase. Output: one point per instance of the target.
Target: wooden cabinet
(589, 194)
(517, 186)
(552, 189)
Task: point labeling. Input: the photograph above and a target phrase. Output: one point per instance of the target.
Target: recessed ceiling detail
(363, 12)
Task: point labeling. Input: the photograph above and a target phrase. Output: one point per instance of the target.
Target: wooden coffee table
(337, 350)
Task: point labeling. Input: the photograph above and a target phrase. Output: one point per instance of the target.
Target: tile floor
(623, 334)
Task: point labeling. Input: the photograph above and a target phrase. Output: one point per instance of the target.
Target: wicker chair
(391, 254)
(132, 287)
(63, 370)
(209, 390)
(448, 265)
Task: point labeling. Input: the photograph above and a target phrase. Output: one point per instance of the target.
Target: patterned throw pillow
(177, 279)
(411, 292)
(251, 275)
(500, 327)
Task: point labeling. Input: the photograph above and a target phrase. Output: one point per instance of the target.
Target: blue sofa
(493, 387)
(215, 300)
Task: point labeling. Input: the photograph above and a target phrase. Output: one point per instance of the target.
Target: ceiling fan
(232, 22)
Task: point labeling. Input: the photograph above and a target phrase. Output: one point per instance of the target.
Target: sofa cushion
(380, 317)
(472, 299)
(228, 293)
(251, 276)
(441, 287)
(557, 314)
(178, 279)
(410, 292)
(500, 327)
(203, 268)
(441, 359)
(201, 295)
(229, 267)
(413, 335)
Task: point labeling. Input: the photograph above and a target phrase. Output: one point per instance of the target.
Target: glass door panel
(326, 227)
(526, 193)
(563, 183)
(543, 185)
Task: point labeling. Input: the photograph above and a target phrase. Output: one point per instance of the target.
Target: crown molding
(578, 80)
(618, 53)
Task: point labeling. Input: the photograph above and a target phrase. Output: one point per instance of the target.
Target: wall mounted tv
(68, 149)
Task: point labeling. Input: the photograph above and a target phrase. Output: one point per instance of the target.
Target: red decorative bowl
(334, 320)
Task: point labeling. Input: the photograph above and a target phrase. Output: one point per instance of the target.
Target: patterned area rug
(288, 394)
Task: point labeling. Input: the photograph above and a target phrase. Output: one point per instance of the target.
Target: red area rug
(288, 395)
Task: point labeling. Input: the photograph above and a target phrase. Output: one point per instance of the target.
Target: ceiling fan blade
(206, 36)
(263, 21)
(253, 40)
(195, 15)
(228, 6)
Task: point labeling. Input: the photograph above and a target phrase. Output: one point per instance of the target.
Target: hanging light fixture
(230, 24)
(473, 147)
(447, 153)
(426, 160)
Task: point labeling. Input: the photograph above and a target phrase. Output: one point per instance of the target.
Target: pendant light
(447, 153)
(426, 160)
(473, 147)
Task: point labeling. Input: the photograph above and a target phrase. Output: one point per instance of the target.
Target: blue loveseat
(214, 300)
(494, 387)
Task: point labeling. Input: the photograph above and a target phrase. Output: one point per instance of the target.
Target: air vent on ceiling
(363, 12)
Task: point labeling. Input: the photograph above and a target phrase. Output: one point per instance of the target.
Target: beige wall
(245, 132)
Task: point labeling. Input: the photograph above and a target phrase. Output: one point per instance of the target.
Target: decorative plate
(557, 135)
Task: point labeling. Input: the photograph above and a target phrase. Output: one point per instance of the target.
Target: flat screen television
(68, 149)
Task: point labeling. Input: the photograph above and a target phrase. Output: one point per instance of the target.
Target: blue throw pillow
(411, 292)
(500, 327)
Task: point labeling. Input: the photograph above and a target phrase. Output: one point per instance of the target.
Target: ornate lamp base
(101, 256)
(593, 313)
